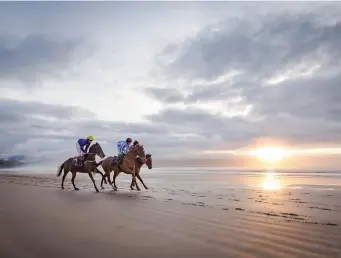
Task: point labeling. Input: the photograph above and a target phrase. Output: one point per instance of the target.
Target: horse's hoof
(146, 188)
(97, 191)
(102, 187)
(138, 189)
(76, 189)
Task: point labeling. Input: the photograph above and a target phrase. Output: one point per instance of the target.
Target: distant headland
(11, 162)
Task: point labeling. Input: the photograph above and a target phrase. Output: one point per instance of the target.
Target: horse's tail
(60, 168)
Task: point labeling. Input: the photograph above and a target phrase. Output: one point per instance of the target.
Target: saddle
(78, 161)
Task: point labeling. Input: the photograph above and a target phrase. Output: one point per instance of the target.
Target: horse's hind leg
(114, 179)
(64, 176)
(103, 175)
(107, 173)
(93, 181)
(73, 180)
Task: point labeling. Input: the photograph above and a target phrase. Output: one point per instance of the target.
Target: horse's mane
(93, 144)
(131, 148)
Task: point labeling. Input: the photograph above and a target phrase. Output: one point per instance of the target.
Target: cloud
(35, 55)
(258, 50)
(221, 78)
(283, 71)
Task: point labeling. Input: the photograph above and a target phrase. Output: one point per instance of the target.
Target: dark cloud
(49, 130)
(34, 56)
(165, 95)
(32, 108)
(277, 43)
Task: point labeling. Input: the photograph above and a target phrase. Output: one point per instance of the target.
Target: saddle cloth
(77, 162)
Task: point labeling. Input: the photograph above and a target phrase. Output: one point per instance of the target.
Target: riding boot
(80, 161)
(120, 160)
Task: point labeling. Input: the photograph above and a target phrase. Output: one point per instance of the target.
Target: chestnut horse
(127, 164)
(138, 164)
(89, 165)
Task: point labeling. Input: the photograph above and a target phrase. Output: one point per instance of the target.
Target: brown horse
(138, 164)
(127, 164)
(89, 165)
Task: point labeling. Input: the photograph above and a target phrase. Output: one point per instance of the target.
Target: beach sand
(38, 219)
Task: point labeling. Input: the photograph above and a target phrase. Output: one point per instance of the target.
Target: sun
(269, 154)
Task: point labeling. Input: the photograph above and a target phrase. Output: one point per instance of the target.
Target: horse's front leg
(132, 172)
(132, 186)
(103, 175)
(93, 180)
(102, 180)
(139, 177)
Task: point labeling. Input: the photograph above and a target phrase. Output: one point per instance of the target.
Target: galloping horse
(89, 165)
(127, 165)
(138, 164)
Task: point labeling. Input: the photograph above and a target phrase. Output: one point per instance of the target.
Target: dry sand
(38, 219)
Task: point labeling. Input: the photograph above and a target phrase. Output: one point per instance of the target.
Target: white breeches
(79, 150)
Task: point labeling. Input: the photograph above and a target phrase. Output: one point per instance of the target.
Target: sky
(189, 80)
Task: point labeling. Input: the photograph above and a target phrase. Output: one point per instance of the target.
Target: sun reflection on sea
(270, 181)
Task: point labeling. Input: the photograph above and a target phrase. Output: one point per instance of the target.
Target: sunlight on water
(270, 181)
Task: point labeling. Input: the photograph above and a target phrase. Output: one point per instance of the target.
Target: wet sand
(38, 219)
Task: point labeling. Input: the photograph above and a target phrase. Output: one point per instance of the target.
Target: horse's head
(149, 161)
(138, 150)
(97, 149)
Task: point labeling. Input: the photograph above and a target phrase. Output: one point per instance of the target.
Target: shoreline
(294, 205)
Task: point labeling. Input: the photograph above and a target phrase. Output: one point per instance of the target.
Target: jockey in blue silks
(123, 148)
(82, 146)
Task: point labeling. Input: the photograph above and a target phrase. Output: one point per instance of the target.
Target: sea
(216, 176)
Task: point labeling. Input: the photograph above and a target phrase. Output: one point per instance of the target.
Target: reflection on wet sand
(270, 181)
